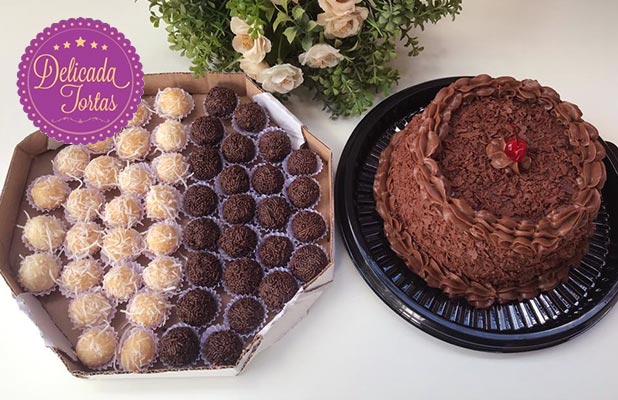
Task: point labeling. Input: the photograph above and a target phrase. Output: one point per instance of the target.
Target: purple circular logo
(80, 81)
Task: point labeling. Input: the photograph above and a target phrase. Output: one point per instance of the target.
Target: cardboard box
(32, 158)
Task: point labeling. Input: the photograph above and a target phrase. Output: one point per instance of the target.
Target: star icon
(104, 47)
(93, 45)
(80, 41)
(66, 45)
(56, 47)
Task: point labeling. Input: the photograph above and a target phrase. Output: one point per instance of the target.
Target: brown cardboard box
(32, 158)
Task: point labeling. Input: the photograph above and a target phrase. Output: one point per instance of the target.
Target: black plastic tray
(551, 318)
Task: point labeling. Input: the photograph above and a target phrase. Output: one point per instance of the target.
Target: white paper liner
(164, 115)
(143, 121)
(64, 188)
(104, 187)
(215, 296)
(258, 327)
(271, 129)
(225, 117)
(230, 291)
(195, 142)
(299, 242)
(51, 248)
(244, 132)
(289, 267)
(263, 238)
(67, 292)
(134, 155)
(52, 288)
(94, 249)
(130, 179)
(113, 359)
(287, 197)
(125, 336)
(191, 364)
(137, 270)
(64, 176)
(168, 291)
(230, 162)
(179, 144)
(209, 331)
(107, 317)
(171, 211)
(72, 219)
(264, 195)
(219, 259)
(136, 251)
(151, 253)
(222, 199)
(179, 178)
(188, 247)
(166, 305)
(136, 220)
(319, 169)
(299, 285)
(219, 189)
(211, 214)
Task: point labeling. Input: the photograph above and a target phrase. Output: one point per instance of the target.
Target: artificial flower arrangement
(340, 49)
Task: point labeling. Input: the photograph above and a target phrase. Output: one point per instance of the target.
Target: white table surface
(352, 345)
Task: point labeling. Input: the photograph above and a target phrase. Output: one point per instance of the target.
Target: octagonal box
(32, 157)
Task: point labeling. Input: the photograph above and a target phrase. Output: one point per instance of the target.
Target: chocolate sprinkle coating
(203, 269)
(303, 192)
(220, 102)
(199, 200)
(303, 162)
(222, 348)
(202, 234)
(251, 117)
(275, 145)
(242, 276)
(207, 130)
(267, 179)
(239, 209)
(275, 251)
(277, 288)
(307, 262)
(179, 346)
(273, 212)
(308, 226)
(237, 148)
(197, 307)
(205, 163)
(238, 241)
(234, 179)
(245, 315)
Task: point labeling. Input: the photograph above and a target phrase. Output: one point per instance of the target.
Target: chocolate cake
(203, 269)
(490, 194)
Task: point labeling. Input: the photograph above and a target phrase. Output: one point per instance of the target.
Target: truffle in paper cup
(221, 346)
(307, 262)
(173, 103)
(201, 234)
(307, 226)
(277, 288)
(245, 315)
(275, 250)
(102, 173)
(303, 192)
(83, 240)
(137, 350)
(80, 276)
(242, 276)
(274, 144)
(136, 179)
(83, 204)
(199, 200)
(43, 233)
(206, 131)
(204, 269)
(198, 306)
(124, 211)
(47, 192)
(132, 143)
(122, 281)
(170, 136)
(142, 115)
(162, 202)
(163, 274)
(237, 148)
(148, 309)
(96, 347)
(171, 169)
(91, 308)
(163, 238)
(221, 102)
(70, 162)
(121, 244)
(104, 146)
(234, 179)
(179, 346)
(238, 209)
(250, 118)
(303, 162)
(38, 273)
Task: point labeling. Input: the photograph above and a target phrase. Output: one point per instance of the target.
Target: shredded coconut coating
(80, 275)
(163, 274)
(132, 143)
(122, 281)
(49, 192)
(163, 238)
(44, 233)
(141, 116)
(174, 102)
(102, 172)
(122, 211)
(135, 179)
(170, 135)
(38, 272)
(102, 146)
(122, 244)
(96, 347)
(71, 161)
(90, 309)
(137, 350)
(171, 168)
(162, 202)
(84, 204)
(83, 239)
(148, 309)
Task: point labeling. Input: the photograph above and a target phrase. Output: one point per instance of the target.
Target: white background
(352, 345)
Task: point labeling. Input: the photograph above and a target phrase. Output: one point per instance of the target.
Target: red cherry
(516, 149)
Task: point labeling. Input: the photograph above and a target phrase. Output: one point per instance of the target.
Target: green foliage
(201, 30)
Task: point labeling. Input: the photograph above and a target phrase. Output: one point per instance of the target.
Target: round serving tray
(550, 318)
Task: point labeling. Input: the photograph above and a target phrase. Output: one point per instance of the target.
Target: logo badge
(80, 81)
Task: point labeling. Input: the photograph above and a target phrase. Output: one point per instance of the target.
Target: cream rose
(281, 78)
(343, 26)
(238, 26)
(256, 54)
(252, 69)
(254, 50)
(338, 7)
(320, 56)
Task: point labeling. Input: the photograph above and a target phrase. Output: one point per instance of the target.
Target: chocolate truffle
(96, 347)
(308, 226)
(39, 272)
(237, 148)
(203, 269)
(277, 288)
(275, 145)
(267, 179)
(250, 117)
(303, 162)
(239, 209)
(275, 251)
(234, 179)
(238, 241)
(307, 262)
(222, 348)
(137, 350)
(273, 212)
(44, 233)
(179, 346)
(205, 163)
(201, 234)
(220, 102)
(242, 276)
(199, 200)
(245, 315)
(303, 192)
(207, 131)
(197, 307)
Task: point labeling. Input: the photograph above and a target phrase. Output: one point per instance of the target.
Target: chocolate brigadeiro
(234, 179)
(237, 148)
(238, 241)
(303, 162)
(203, 269)
(303, 192)
(179, 346)
(251, 117)
(277, 288)
(267, 179)
(207, 130)
(308, 226)
(274, 145)
(307, 262)
(205, 163)
(197, 307)
(242, 276)
(220, 102)
(275, 251)
(239, 209)
(222, 348)
(199, 200)
(245, 315)
(273, 212)
(201, 234)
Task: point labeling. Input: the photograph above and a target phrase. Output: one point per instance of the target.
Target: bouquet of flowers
(340, 49)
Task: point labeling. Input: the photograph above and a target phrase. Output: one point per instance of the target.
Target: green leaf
(297, 13)
(281, 18)
(307, 42)
(290, 33)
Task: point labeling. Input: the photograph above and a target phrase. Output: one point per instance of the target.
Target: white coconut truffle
(102, 172)
(122, 281)
(122, 244)
(96, 347)
(173, 102)
(171, 168)
(44, 233)
(141, 116)
(163, 238)
(90, 309)
(38, 272)
(71, 161)
(163, 274)
(133, 143)
(162, 202)
(102, 146)
(148, 309)
(170, 135)
(135, 179)
(122, 211)
(48, 192)
(84, 204)
(83, 239)
(138, 350)
(79, 276)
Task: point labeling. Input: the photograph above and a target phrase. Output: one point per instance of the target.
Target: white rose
(343, 26)
(257, 53)
(320, 56)
(281, 78)
(338, 7)
(252, 69)
(238, 26)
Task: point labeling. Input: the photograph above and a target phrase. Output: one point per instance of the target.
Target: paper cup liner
(298, 242)
(71, 219)
(209, 331)
(180, 179)
(258, 327)
(215, 296)
(111, 362)
(226, 117)
(213, 214)
(179, 147)
(164, 115)
(131, 224)
(133, 158)
(107, 318)
(320, 166)
(166, 312)
(66, 248)
(219, 188)
(251, 222)
(286, 185)
(171, 212)
(125, 336)
(137, 269)
(66, 177)
(191, 248)
(263, 238)
(229, 291)
(66, 292)
(186, 366)
(149, 172)
(190, 283)
(148, 116)
(177, 227)
(66, 189)
(244, 132)
(167, 291)
(51, 248)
